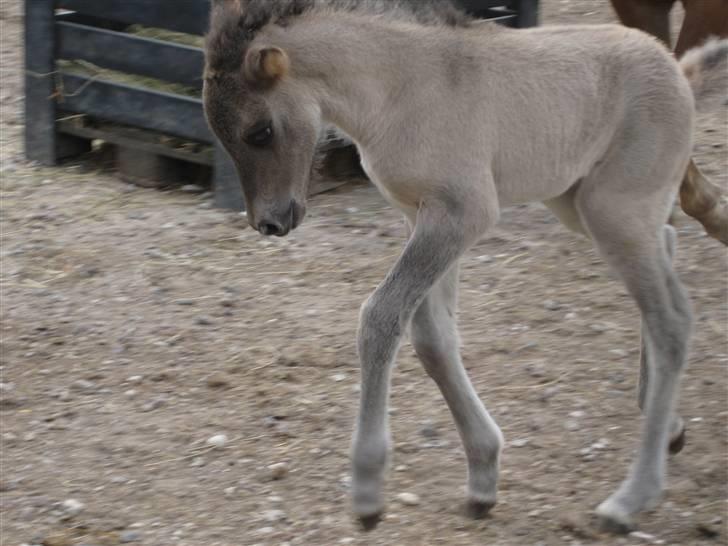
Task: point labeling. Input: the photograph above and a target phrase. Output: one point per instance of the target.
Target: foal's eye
(260, 137)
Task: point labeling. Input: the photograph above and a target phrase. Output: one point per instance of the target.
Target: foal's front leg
(444, 229)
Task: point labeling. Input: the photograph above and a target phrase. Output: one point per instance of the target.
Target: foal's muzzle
(281, 222)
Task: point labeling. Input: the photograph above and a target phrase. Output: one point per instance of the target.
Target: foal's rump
(593, 88)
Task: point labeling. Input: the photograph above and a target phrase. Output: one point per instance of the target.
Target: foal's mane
(234, 24)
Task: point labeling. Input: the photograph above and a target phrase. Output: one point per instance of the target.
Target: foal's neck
(360, 68)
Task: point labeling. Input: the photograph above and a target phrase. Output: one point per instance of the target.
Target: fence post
(40, 66)
(527, 13)
(226, 185)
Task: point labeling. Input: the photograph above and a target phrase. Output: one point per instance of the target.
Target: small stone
(229, 491)
(278, 470)
(521, 442)
(130, 536)
(72, 507)
(428, 430)
(217, 381)
(197, 462)
(83, 385)
(273, 516)
(154, 404)
(571, 425)
(485, 258)
(338, 377)
(408, 499)
(192, 188)
(186, 302)
(548, 393)
(639, 535)
(131, 393)
(6, 387)
(203, 321)
(134, 379)
(577, 414)
(217, 441)
(265, 531)
(551, 305)
(64, 396)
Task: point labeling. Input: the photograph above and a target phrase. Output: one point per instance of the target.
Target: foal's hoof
(370, 522)
(613, 520)
(478, 509)
(677, 444)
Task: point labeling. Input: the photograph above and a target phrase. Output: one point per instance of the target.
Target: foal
(455, 121)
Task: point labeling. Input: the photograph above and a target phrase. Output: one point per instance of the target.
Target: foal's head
(265, 120)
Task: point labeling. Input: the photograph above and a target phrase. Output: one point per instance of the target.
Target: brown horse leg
(703, 18)
(651, 16)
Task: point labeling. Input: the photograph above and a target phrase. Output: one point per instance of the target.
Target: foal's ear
(266, 64)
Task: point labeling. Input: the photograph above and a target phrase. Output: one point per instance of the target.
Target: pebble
(83, 385)
(217, 381)
(338, 377)
(278, 470)
(64, 396)
(551, 305)
(134, 379)
(521, 442)
(154, 404)
(192, 188)
(217, 441)
(197, 461)
(571, 425)
(130, 536)
(274, 516)
(6, 387)
(646, 537)
(229, 491)
(428, 430)
(131, 393)
(72, 507)
(203, 321)
(408, 499)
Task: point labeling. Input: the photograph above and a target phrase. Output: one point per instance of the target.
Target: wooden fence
(96, 32)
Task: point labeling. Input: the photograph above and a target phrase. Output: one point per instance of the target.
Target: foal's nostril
(269, 228)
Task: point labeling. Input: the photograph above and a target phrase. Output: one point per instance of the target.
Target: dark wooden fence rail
(92, 31)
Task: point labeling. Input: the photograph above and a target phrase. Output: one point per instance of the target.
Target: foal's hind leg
(626, 226)
(436, 341)
(677, 430)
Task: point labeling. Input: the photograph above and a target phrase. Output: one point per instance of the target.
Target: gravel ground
(171, 378)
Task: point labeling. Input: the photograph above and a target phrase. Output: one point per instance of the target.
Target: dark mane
(235, 23)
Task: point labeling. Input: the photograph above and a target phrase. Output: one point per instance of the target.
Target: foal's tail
(706, 68)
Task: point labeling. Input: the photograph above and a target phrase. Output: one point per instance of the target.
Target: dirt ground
(138, 324)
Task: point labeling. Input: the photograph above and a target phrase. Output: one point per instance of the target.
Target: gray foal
(455, 120)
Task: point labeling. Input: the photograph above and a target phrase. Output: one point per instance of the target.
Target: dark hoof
(677, 445)
(478, 509)
(369, 523)
(609, 525)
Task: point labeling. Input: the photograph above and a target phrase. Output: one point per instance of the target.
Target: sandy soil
(137, 324)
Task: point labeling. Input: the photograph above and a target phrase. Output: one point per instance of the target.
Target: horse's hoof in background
(476, 509)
